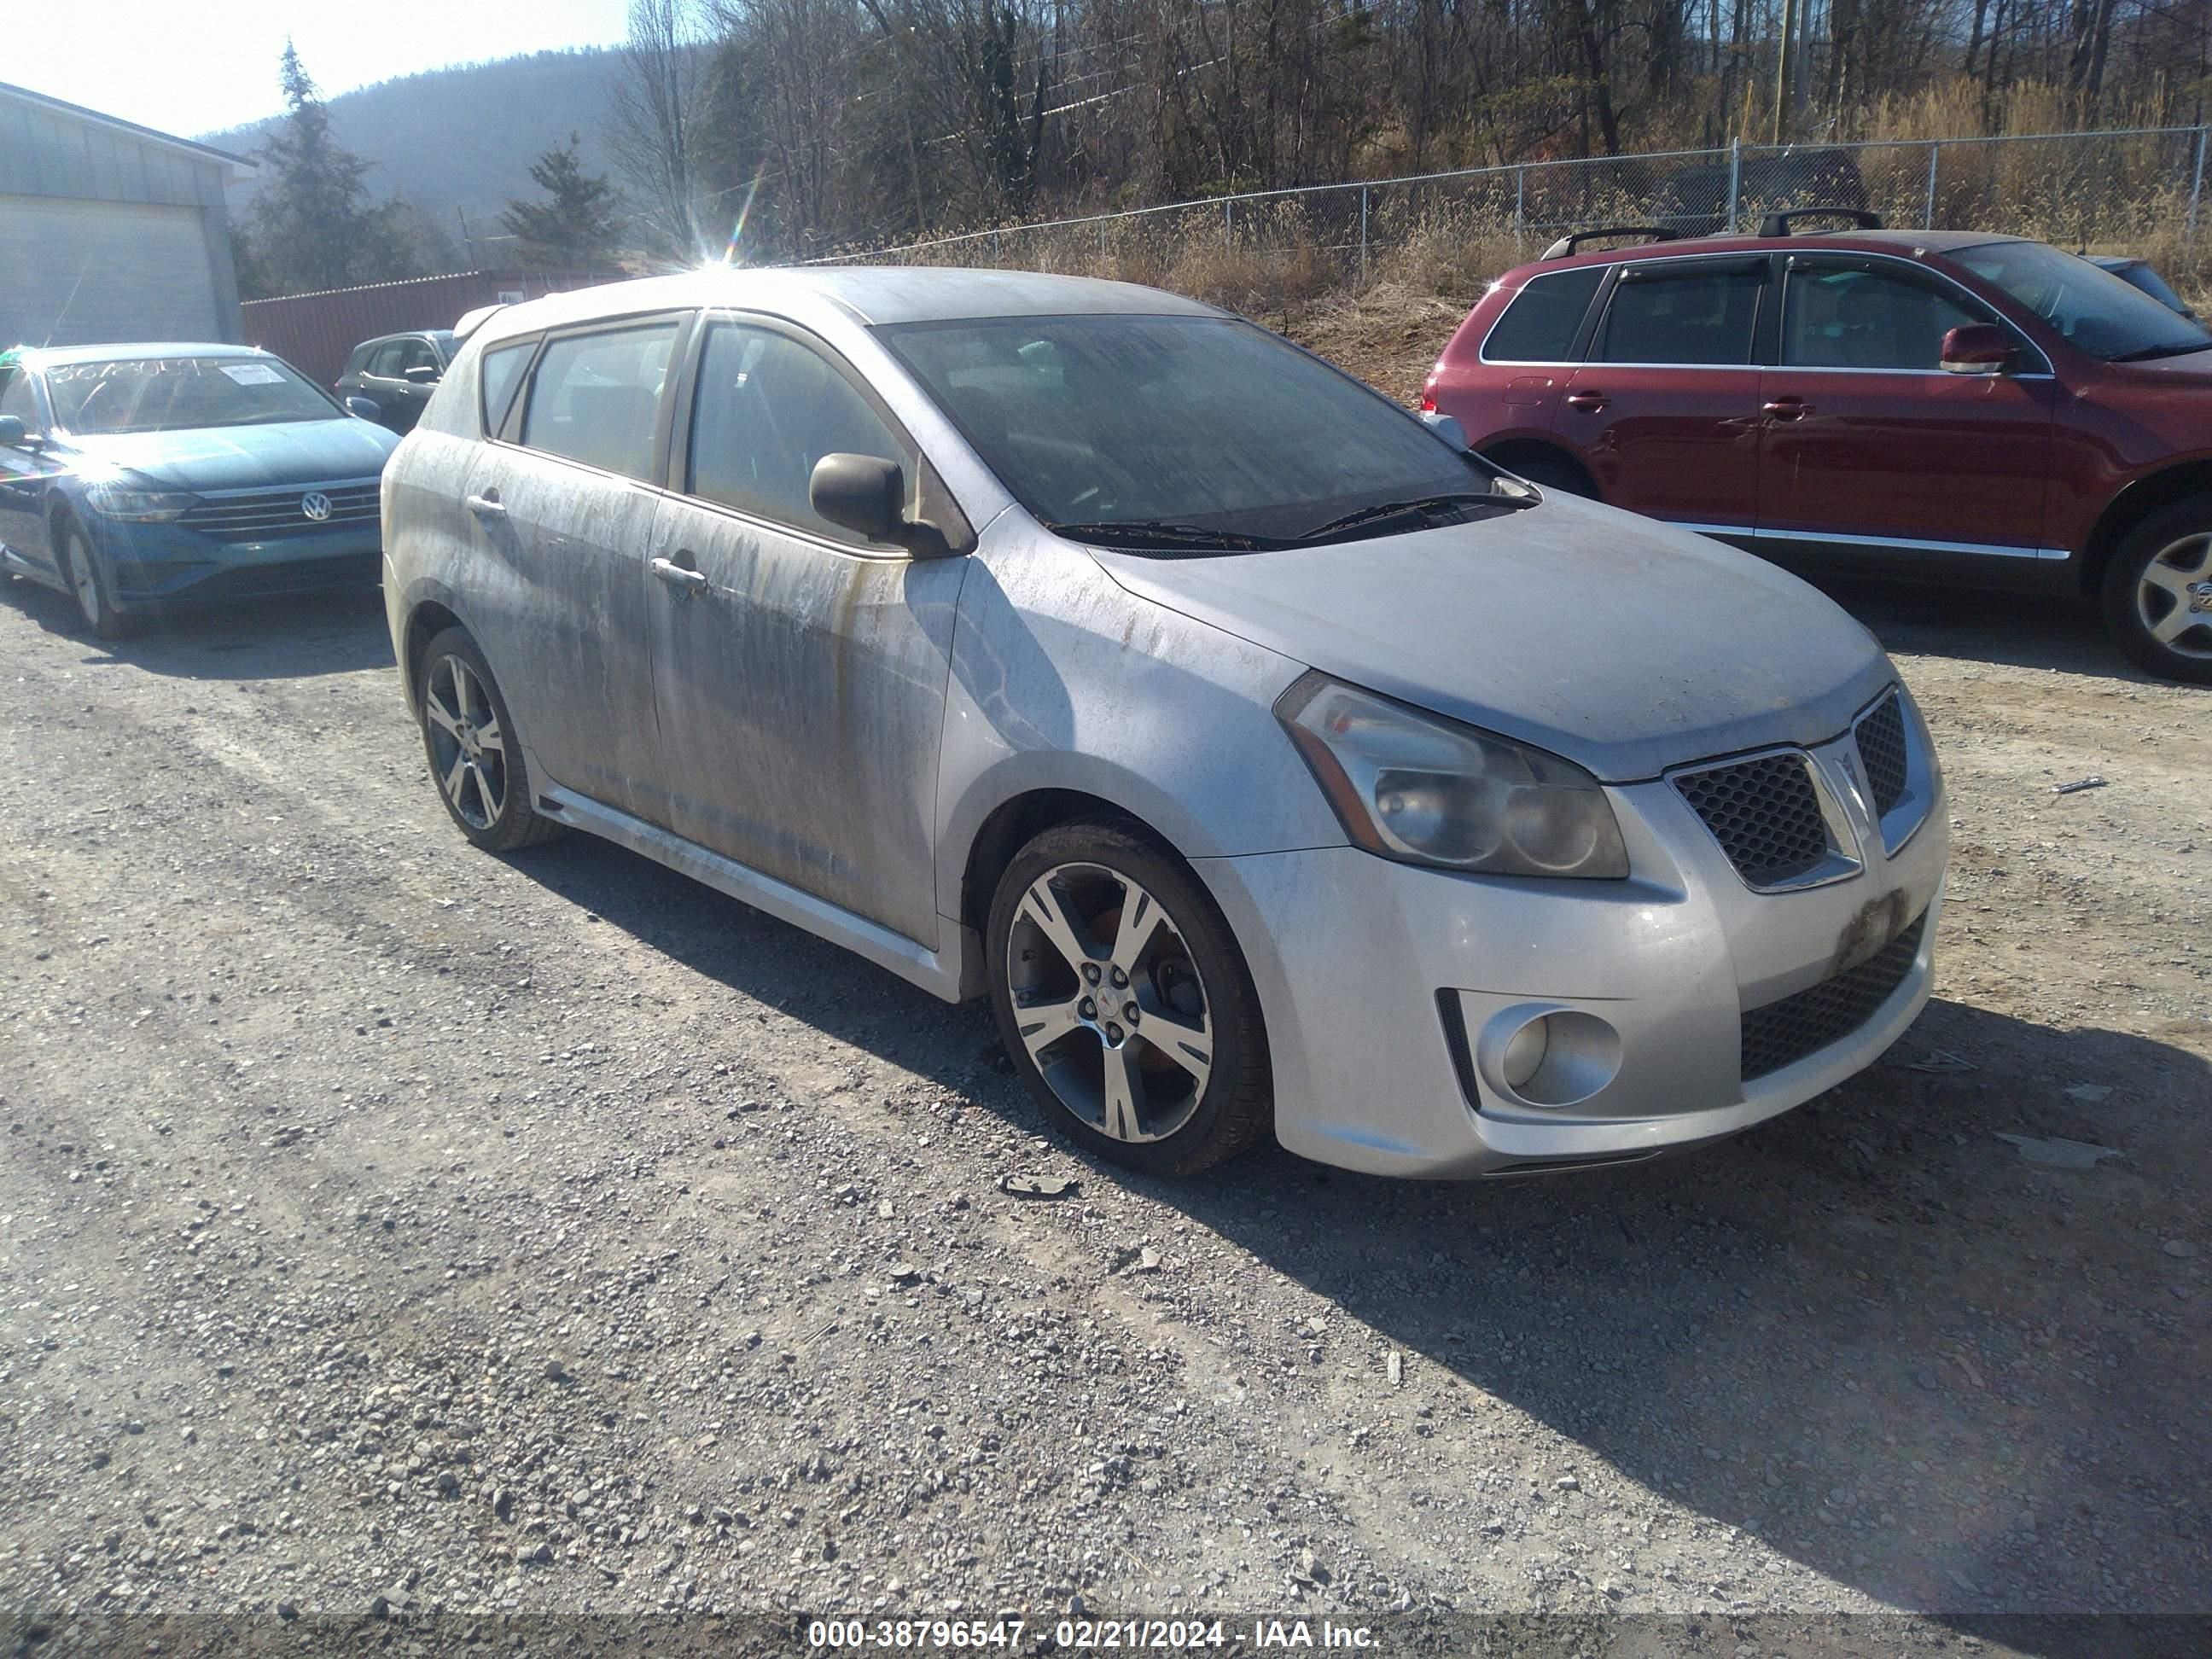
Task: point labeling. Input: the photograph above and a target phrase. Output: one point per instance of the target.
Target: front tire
(1124, 1002)
(476, 759)
(2158, 593)
(88, 585)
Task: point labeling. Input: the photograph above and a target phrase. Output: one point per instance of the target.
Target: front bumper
(1388, 993)
(152, 564)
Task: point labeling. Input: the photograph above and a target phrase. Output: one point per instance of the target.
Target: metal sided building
(109, 230)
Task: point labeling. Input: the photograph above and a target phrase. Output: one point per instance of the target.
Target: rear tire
(88, 584)
(476, 759)
(2158, 593)
(1124, 1002)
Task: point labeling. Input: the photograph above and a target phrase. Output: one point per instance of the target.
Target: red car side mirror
(1977, 348)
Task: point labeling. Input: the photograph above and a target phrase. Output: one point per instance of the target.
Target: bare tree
(653, 120)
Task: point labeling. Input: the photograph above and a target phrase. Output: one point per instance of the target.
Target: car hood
(2192, 370)
(246, 457)
(1621, 643)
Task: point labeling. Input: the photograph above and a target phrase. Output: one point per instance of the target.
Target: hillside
(463, 138)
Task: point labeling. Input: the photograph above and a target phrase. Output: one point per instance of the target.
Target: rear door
(1871, 454)
(407, 395)
(1664, 412)
(563, 507)
(801, 672)
(24, 474)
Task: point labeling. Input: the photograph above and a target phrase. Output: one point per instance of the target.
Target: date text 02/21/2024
(1092, 1634)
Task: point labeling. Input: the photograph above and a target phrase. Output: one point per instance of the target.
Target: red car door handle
(1589, 400)
(1787, 408)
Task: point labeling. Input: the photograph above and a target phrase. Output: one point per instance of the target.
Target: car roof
(868, 295)
(126, 350)
(1910, 242)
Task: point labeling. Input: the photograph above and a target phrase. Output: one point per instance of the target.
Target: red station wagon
(1938, 405)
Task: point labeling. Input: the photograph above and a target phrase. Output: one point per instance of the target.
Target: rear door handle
(487, 506)
(1592, 401)
(1787, 408)
(679, 575)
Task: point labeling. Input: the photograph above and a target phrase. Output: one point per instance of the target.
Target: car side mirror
(423, 374)
(866, 494)
(367, 408)
(1445, 427)
(12, 434)
(1977, 348)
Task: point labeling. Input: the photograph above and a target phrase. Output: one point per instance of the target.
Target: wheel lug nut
(1091, 973)
(1087, 1008)
(1113, 1034)
(1130, 1012)
(1120, 978)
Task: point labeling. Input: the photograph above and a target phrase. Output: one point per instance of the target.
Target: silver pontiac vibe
(1273, 765)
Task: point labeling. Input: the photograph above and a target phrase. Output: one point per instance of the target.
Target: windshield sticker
(253, 374)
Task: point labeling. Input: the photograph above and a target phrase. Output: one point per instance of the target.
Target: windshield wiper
(2148, 352)
(1160, 532)
(1422, 504)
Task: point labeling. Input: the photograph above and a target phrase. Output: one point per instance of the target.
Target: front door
(1872, 454)
(800, 672)
(25, 472)
(563, 513)
(1665, 410)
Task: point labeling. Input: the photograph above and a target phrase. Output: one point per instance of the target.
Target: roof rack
(1779, 224)
(1568, 244)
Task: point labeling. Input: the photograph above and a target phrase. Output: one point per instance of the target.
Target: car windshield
(2093, 310)
(1177, 423)
(169, 394)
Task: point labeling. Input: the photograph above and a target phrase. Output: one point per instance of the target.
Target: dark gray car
(397, 373)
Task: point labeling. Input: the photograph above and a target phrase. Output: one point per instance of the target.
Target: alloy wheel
(84, 581)
(2173, 600)
(1108, 1002)
(468, 750)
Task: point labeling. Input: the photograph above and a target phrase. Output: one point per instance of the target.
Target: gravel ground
(383, 1223)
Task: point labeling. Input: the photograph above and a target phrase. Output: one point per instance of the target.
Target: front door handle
(1591, 401)
(487, 506)
(679, 576)
(1787, 408)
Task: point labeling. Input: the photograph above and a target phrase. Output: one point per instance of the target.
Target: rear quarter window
(1540, 325)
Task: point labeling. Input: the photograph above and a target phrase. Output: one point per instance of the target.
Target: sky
(194, 66)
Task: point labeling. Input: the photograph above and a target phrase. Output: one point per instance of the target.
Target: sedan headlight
(1425, 790)
(142, 505)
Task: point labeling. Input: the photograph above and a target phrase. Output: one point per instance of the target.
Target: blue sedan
(135, 477)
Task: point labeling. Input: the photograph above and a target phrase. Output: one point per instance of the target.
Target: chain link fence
(2138, 191)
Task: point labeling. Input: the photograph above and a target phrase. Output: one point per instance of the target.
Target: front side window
(1540, 325)
(168, 394)
(1681, 315)
(18, 397)
(1182, 421)
(383, 363)
(595, 397)
(2092, 310)
(414, 354)
(768, 409)
(1871, 319)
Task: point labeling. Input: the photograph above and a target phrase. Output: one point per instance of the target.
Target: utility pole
(467, 240)
(1784, 68)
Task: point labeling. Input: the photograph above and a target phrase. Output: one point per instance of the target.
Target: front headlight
(1426, 790)
(144, 506)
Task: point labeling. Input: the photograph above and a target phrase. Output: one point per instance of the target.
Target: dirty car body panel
(840, 734)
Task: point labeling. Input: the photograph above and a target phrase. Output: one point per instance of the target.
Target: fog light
(1524, 1051)
(1549, 1057)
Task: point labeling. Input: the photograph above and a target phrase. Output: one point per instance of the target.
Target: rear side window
(595, 397)
(501, 367)
(17, 397)
(1540, 325)
(1680, 314)
(768, 409)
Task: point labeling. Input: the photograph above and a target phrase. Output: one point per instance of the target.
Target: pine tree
(573, 229)
(313, 227)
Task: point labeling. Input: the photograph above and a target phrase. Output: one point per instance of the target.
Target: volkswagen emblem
(315, 505)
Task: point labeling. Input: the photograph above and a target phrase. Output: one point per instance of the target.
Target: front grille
(1881, 752)
(310, 576)
(1765, 814)
(269, 514)
(1783, 1033)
